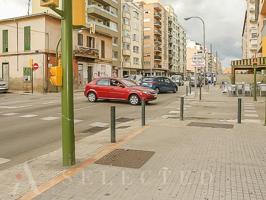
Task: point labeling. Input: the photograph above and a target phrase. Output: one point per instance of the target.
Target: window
(80, 39)
(135, 14)
(126, 46)
(27, 38)
(115, 55)
(115, 83)
(146, 12)
(115, 40)
(126, 21)
(136, 61)
(147, 37)
(5, 41)
(147, 28)
(102, 49)
(103, 82)
(147, 20)
(136, 49)
(91, 42)
(135, 37)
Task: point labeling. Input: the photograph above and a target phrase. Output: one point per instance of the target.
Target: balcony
(126, 52)
(103, 29)
(157, 7)
(158, 24)
(157, 49)
(112, 3)
(126, 27)
(126, 14)
(158, 66)
(157, 15)
(158, 58)
(100, 12)
(86, 52)
(157, 32)
(126, 64)
(126, 39)
(158, 42)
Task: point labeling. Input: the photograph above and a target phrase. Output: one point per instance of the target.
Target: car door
(103, 88)
(169, 85)
(161, 84)
(118, 90)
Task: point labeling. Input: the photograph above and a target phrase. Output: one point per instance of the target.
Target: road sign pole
(68, 138)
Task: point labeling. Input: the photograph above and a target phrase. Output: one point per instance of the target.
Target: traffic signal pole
(68, 137)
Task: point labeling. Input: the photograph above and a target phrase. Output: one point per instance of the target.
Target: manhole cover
(211, 125)
(123, 119)
(95, 129)
(123, 127)
(126, 158)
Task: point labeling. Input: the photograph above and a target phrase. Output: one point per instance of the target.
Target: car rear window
(103, 82)
(147, 80)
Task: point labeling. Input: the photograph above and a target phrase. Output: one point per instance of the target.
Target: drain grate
(124, 119)
(126, 158)
(95, 129)
(211, 125)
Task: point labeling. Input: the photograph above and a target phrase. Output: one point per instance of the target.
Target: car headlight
(145, 92)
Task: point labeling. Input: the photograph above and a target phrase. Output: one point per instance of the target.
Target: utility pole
(68, 137)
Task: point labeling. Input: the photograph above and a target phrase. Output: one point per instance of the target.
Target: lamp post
(204, 41)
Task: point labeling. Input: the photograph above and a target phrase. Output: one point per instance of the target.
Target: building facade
(182, 49)
(250, 31)
(260, 17)
(156, 41)
(192, 49)
(132, 38)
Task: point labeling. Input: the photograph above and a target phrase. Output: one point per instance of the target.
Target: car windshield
(128, 83)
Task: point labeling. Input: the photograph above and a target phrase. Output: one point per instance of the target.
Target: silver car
(3, 86)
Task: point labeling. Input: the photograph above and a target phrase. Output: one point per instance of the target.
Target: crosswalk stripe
(99, 124)
(76, 121)
(9, 114)
(3, 160)
(49, 118)
(251, 115)
(28, 116)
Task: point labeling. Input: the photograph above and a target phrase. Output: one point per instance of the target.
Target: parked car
(160, 84)
(118, 89)
(177, 79)
(3, 86)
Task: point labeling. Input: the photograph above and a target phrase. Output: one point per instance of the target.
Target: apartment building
(250, 31)
(192, 49)
(260, 17)
(104, 25)
(182, 49)
(156, 61)
(22, 39)
(132, 38)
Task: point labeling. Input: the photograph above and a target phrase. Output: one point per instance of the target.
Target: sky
(223, 18)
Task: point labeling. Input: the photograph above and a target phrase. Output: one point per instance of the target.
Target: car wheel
(134, 99)
(175, 90)
(92, 97)
(157, 90)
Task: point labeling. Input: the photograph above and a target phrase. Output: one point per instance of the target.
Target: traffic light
(56, 75)
(50, 3)
(78, 11)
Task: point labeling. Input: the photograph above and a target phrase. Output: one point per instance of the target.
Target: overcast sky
(224, 21)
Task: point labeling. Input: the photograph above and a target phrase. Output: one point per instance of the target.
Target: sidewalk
(176, 160)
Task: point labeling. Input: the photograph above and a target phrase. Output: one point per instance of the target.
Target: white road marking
(99, 124)
(76, 121)
(250, 111)
(28, 116)
(251, 115)
(49, 102)
(3, 160)
(49, 118)
(14, 107)
(10, 114)
(255, 121)
(174, 112)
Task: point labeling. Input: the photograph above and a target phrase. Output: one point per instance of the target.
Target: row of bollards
(113, 120)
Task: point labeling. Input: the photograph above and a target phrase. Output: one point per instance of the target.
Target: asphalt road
(30, 124)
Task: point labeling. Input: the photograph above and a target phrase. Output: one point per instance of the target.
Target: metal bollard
(265, 114)
(182, 102)
(186, 90)
(113, 134)
(239, 115)
(200, 93)
(143, 113)
(190, 90)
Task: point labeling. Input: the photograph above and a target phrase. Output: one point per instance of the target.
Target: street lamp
(204, 41)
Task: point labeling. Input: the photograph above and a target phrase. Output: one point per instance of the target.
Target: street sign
(35, 66)
(198, 61)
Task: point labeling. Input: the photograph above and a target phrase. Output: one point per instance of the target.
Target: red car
(118, 89)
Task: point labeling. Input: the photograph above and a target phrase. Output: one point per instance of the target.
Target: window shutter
(5, 41)
(27, 38)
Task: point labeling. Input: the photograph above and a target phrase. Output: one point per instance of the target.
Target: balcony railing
(158, 66)
(157, 24)
(104, 10)
(86, 52)
(157, 32)
(158, 49)
(157, 57)
(103, 25)
(158, 15)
